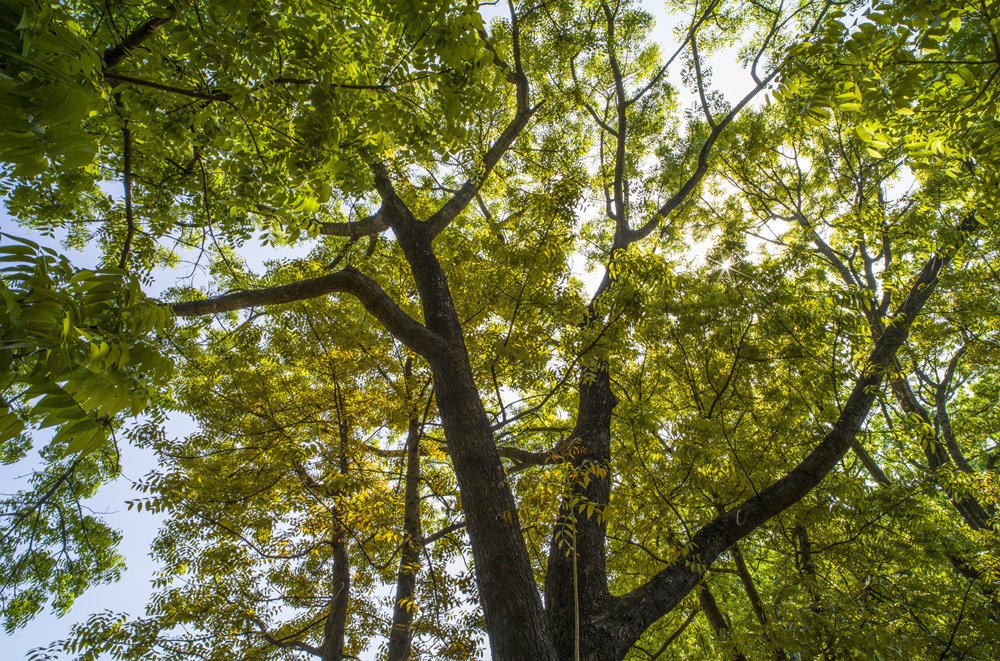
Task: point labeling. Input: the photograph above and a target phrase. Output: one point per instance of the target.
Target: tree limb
(127, 185)
(702, 168)
(118, 79)
(373, 224)
(461, 199)
(114, 55)
(289, 641)
(349, 280)
(637, 610)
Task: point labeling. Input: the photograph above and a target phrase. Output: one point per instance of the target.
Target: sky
(139, 529)
(129, 594)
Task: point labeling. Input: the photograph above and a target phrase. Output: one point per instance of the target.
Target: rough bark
(509, 597)
(576, 588)
(512, 607)
(510, 600)
(401, 634)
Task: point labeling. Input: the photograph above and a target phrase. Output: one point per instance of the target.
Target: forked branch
(522, 115)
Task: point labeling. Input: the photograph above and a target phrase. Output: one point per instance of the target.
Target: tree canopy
(562, 348)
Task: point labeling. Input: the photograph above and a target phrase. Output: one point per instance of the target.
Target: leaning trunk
(509, 597)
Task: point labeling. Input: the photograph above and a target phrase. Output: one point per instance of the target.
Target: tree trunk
(576, 584)
(335, 630)
(509, 597)
(401, 635)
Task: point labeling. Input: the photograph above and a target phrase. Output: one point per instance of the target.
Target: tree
(428, 427)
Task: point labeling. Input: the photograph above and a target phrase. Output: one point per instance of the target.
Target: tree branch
(373, 224)
(619, 184)
(702, 168)
(524, 458)
(461, 199)
(114, 55)
(349, 280)
(673, 636)
(941, 394)
(700, 80)
(117, 79)
(127, 185)
(401, 632)
(443, 532)
(637, 610)
(289, 641)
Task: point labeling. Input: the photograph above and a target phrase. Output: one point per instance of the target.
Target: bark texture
(576, 584)
(510, 600)
(401, 634)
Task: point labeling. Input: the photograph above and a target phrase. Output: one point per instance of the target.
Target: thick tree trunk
(510, 600)
(509, 597)
(576, 587)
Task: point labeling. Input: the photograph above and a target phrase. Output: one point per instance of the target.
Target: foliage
(77, 357)
(48, 88)
(548, 313)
